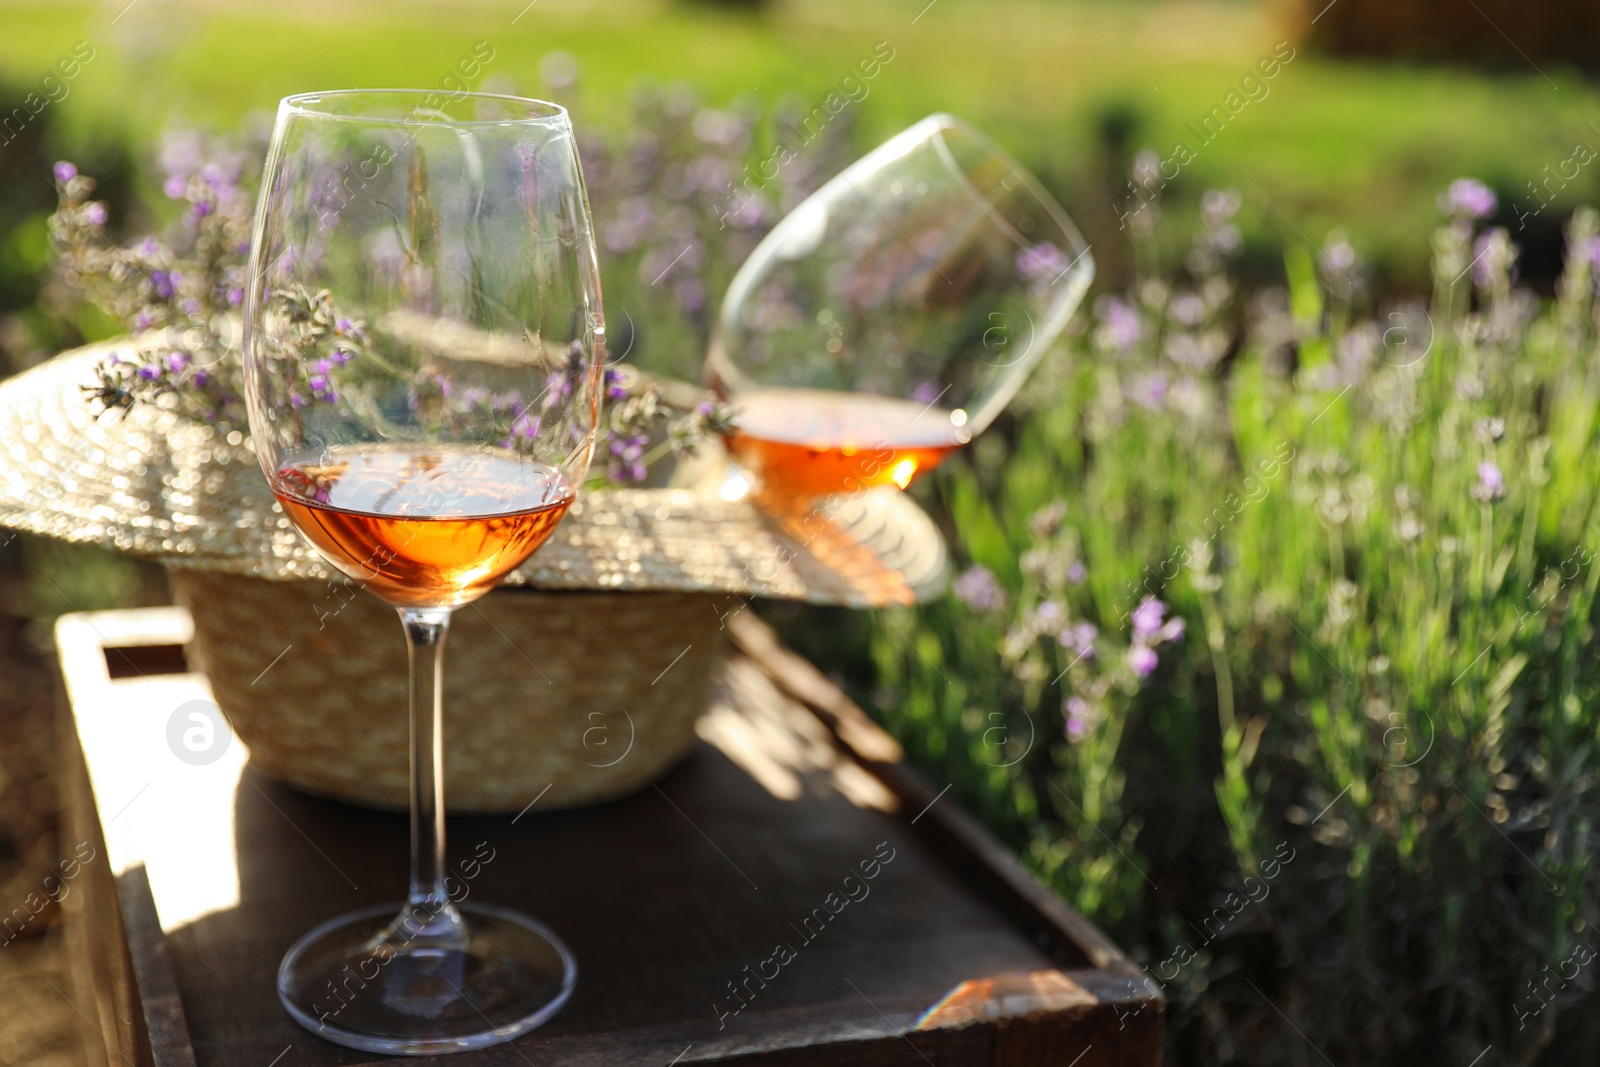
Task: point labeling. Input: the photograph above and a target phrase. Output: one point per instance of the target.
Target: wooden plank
(1073, 938)
(673, 900)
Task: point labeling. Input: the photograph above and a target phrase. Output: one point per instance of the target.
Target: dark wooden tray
(953, 955)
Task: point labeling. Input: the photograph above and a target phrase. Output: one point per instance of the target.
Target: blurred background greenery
(1379, 107)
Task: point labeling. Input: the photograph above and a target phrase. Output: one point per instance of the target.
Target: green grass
(1365, 145)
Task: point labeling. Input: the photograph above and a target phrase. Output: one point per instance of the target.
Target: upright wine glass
(892, 315)
(423, 353)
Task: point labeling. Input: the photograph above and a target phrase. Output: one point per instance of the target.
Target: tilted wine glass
(892, 315)
(424, 345)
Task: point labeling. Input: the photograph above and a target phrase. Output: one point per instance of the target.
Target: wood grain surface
(673, 900)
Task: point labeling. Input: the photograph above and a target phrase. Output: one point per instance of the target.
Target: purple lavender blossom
(235, 296)
(1119, 321)
(1077, 710)
(1079, 639)
(1468, 198)
(95, 213)
(977, 588)
(174, 188)
(1048, 615)
(1491, 484)
(1147, 618)
(627, 462)
(1041, 262)
(65, 172)
(1077, 572)
(1142, 658)
(691, 294)
(176, 362)
(149, 372)
(1149, 391)
(615, 390)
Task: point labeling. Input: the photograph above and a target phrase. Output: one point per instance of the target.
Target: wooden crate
(201, 877)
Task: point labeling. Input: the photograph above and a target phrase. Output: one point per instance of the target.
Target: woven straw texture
(567, 698)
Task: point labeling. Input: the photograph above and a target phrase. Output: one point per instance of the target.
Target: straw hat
(156, 485)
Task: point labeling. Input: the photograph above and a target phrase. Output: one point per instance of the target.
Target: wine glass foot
(358, 981)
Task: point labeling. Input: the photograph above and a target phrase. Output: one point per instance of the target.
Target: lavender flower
(1150, 628)
(1041, 262)
(1147, 618)
(1149, 391)
(1048, 615)
(1079, 639)
(690, 294)
(1077, 716)
(977, 588)
(1491, 483)
(1142, 658)
(65, 172)
(1120, 326)
(627, 458)
(1468, 198)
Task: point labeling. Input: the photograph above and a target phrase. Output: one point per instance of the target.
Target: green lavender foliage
(1357, 798)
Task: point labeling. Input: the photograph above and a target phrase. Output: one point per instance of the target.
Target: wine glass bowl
(893, 314)
(423, 358)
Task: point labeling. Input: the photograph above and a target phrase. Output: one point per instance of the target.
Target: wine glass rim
(943, 121)
(541, 112)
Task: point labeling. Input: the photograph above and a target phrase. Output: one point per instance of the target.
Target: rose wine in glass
(423, 526)
(803, 443)
(892, 315)
(423, 355)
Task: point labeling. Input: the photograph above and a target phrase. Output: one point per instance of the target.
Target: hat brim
(156, 485)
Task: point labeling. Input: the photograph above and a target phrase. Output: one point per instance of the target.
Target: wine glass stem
(429, 912)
